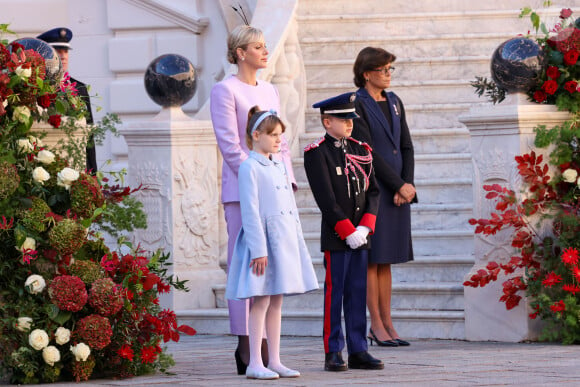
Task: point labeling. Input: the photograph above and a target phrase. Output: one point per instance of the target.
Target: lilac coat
(230, 101)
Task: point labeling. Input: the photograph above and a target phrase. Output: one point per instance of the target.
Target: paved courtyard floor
(207, 360)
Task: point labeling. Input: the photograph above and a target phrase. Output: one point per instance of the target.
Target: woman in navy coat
(383, 125)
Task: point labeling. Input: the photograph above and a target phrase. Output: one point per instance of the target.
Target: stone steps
(440, 68)
(423, 269)
(459, 90)
(434, 165)
(419, 116)
(412, 45)
(425, 242)
(346, 8)
(432, 191)
(425, 141)
(392, 24)
(405, 296)
(423, 216)
(410, 323)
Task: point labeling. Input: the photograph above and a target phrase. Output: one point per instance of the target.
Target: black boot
(364, 361)
(333, 362)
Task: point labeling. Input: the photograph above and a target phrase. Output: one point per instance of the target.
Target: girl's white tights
(265, 310)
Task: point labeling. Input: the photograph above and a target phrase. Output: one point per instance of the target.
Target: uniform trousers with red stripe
(345, 286)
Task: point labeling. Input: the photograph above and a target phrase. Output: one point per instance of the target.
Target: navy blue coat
(393, 161)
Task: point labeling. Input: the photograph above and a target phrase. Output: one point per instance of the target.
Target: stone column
(176, 160)
(498, 134)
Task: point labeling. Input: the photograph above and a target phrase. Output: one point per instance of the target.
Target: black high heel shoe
(381, 343)
(240, 364)
(402, 343)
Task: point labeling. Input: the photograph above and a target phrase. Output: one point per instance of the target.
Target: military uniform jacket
(346, 200)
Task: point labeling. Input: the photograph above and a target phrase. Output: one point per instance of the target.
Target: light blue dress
(270, 227)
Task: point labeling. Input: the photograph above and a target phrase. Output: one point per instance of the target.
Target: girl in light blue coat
(270, 257)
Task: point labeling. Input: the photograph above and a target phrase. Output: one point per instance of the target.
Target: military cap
(57, 37)
(341, 106)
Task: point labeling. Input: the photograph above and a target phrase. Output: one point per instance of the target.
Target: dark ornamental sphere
(54, 70)
(516, 64)
(170, 80)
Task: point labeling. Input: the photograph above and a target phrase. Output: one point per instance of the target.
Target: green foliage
(120, 217)
(489, 88)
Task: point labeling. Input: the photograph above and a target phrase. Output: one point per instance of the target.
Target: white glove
(355, 240)
(364, 230)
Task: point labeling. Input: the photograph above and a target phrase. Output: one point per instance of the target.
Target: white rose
(40, 175)
(62, 335)
(21, 113)
(35, 284)
(23, 73)
(5, 103)
(35, 140)
(28, 244)
(23, 324)
(25, 146)
(50, 355)
(81, 351)
(38, 339)
(569, 175)
(66, 177)
(45, 157)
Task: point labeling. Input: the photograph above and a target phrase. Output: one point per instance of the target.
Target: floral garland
(549, 260)
(70, 308)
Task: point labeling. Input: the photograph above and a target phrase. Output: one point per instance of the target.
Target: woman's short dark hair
(370, 58)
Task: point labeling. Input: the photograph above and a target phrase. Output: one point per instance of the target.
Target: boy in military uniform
(340, 174)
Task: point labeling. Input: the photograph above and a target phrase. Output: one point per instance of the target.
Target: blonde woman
(230, 101)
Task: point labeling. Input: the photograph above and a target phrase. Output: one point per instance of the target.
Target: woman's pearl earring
(243, 58)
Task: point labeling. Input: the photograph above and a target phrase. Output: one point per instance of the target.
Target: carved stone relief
(196, 216)
(155, 199)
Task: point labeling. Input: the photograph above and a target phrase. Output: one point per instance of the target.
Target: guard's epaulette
(364, 144)
(314, 144)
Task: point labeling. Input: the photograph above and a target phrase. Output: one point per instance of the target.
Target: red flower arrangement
(86, 196)
(126, 352)
(570, 256)
(105, 297)
(67, 236)
(558, 307)
(54, 120)
(545, 221)
(149, 354)
(68, 293)
(559, 83)
(94, 330)
(571, 288)
(82, 370)
(124, 292)
(551, 280)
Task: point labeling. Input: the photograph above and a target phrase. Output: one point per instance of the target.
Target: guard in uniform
(340, 174)
(60, 38)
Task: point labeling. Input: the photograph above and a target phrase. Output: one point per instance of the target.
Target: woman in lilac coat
(230, 101)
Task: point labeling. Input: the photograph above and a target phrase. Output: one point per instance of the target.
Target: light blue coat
(270, 227)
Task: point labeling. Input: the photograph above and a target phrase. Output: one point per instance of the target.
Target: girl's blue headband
(262, 118)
